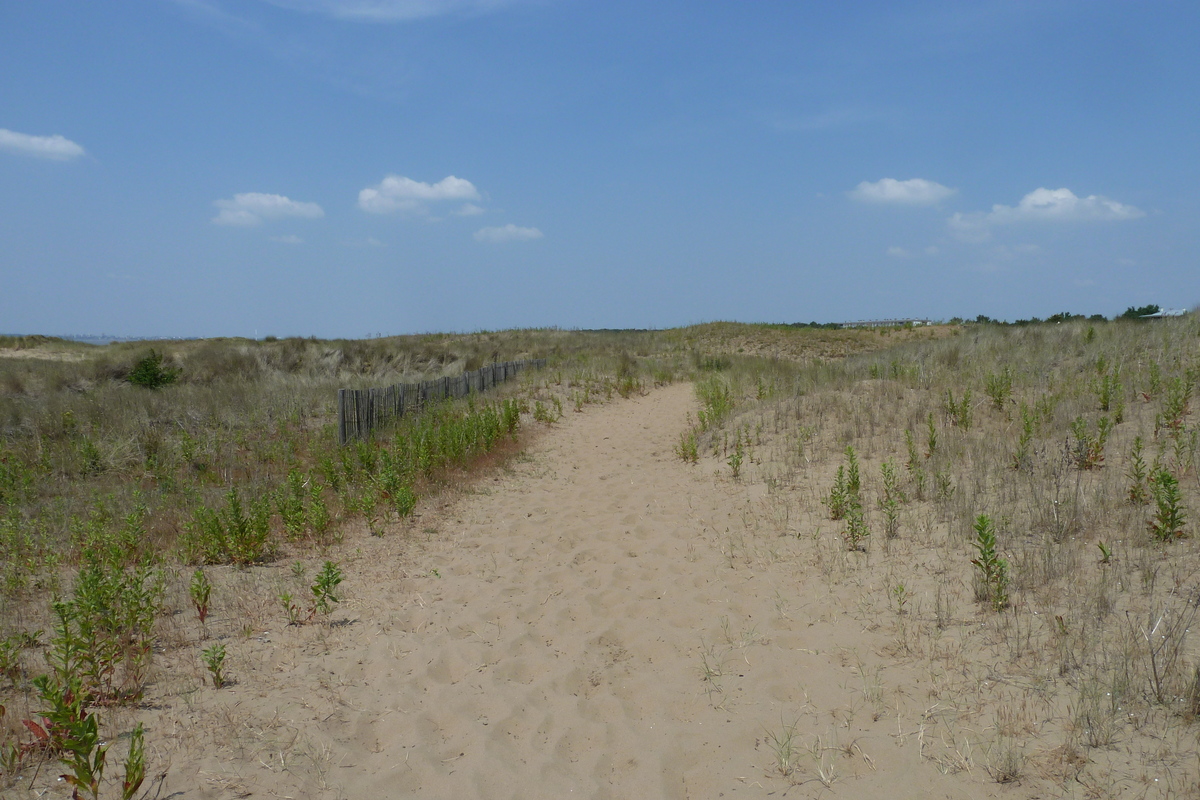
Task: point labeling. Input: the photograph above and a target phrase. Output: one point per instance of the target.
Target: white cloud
(253, 208)
(932, 250)
(898, 252)
(469, 210)
(291, 238)
(1040, 205)
(1064, 205)
(55, 148)
(507, 233)
(390, 10)
(914, 192)
(398, 193)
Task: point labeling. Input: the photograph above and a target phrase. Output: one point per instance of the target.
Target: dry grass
(1089, 674)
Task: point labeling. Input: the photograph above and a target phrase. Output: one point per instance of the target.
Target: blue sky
(354, 167)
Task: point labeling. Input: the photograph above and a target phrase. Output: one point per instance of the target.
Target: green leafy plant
(150, 372)
(1170, 516)
(324, 588)
(931, 440)
(200, 589)
(959, 411)
(999, 387)
(688, 448)
(992, 570)
(70, 731)
(1088, 448)
(893, 497)
(232, 535)
(1105, 553)
(1139, 492)
(736, 457)
(214, 660)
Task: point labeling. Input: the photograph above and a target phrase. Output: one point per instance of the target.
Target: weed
(992, 570)
(999, 387)
(735, 458)
(1088, 448)
(958, 411)
(891, 500)
(214, 660)
(325, 587)
(688, 448)
(784, 749)
(200, 589)
(1169, 517)
(1139, 492)
(931, 437)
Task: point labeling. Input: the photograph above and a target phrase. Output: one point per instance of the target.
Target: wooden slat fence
(362, 410)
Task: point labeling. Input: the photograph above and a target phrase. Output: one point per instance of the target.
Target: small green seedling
(200, 591)
(323, 590)
(1105, 553)
(214, 659)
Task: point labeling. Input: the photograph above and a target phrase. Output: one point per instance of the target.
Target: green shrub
(150, 372)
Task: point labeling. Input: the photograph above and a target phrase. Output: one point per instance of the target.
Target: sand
(598, 619)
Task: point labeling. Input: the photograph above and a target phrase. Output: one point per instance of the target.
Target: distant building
(885, 323)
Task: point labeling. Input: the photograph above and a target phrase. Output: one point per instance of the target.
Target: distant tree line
(1133, 312)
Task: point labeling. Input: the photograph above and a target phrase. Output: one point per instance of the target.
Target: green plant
(150, 372)
(71, 732)
(901, 596)
(931, 441)
(232, 535)
(959, 411)
(135, 763)
(688, 448)
(325, 587)
(893, 497)
(1021, 457)
(1088, 448)
(1139, 493)
(1110, 394)
(857, 531)
(838, 500)
(214, 659)
(1105, 553)
(999, 387)
(200, 589)
(290, 608)
(992, 570)
(289, 502)
(784, 749)
(1175, 405)
(543, 414)
(735, 458)
(1170, 516)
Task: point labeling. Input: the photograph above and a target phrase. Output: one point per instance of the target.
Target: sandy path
(552, 641)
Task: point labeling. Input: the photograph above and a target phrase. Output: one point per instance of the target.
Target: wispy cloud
(470, 210)
(398, 193)
(1041, 205)
(291, 238)
(253, 208)
(507, 233)
(55, 148)
(391, 10)
(913, 192)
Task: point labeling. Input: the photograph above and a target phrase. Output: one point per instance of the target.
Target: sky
(352, 168)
